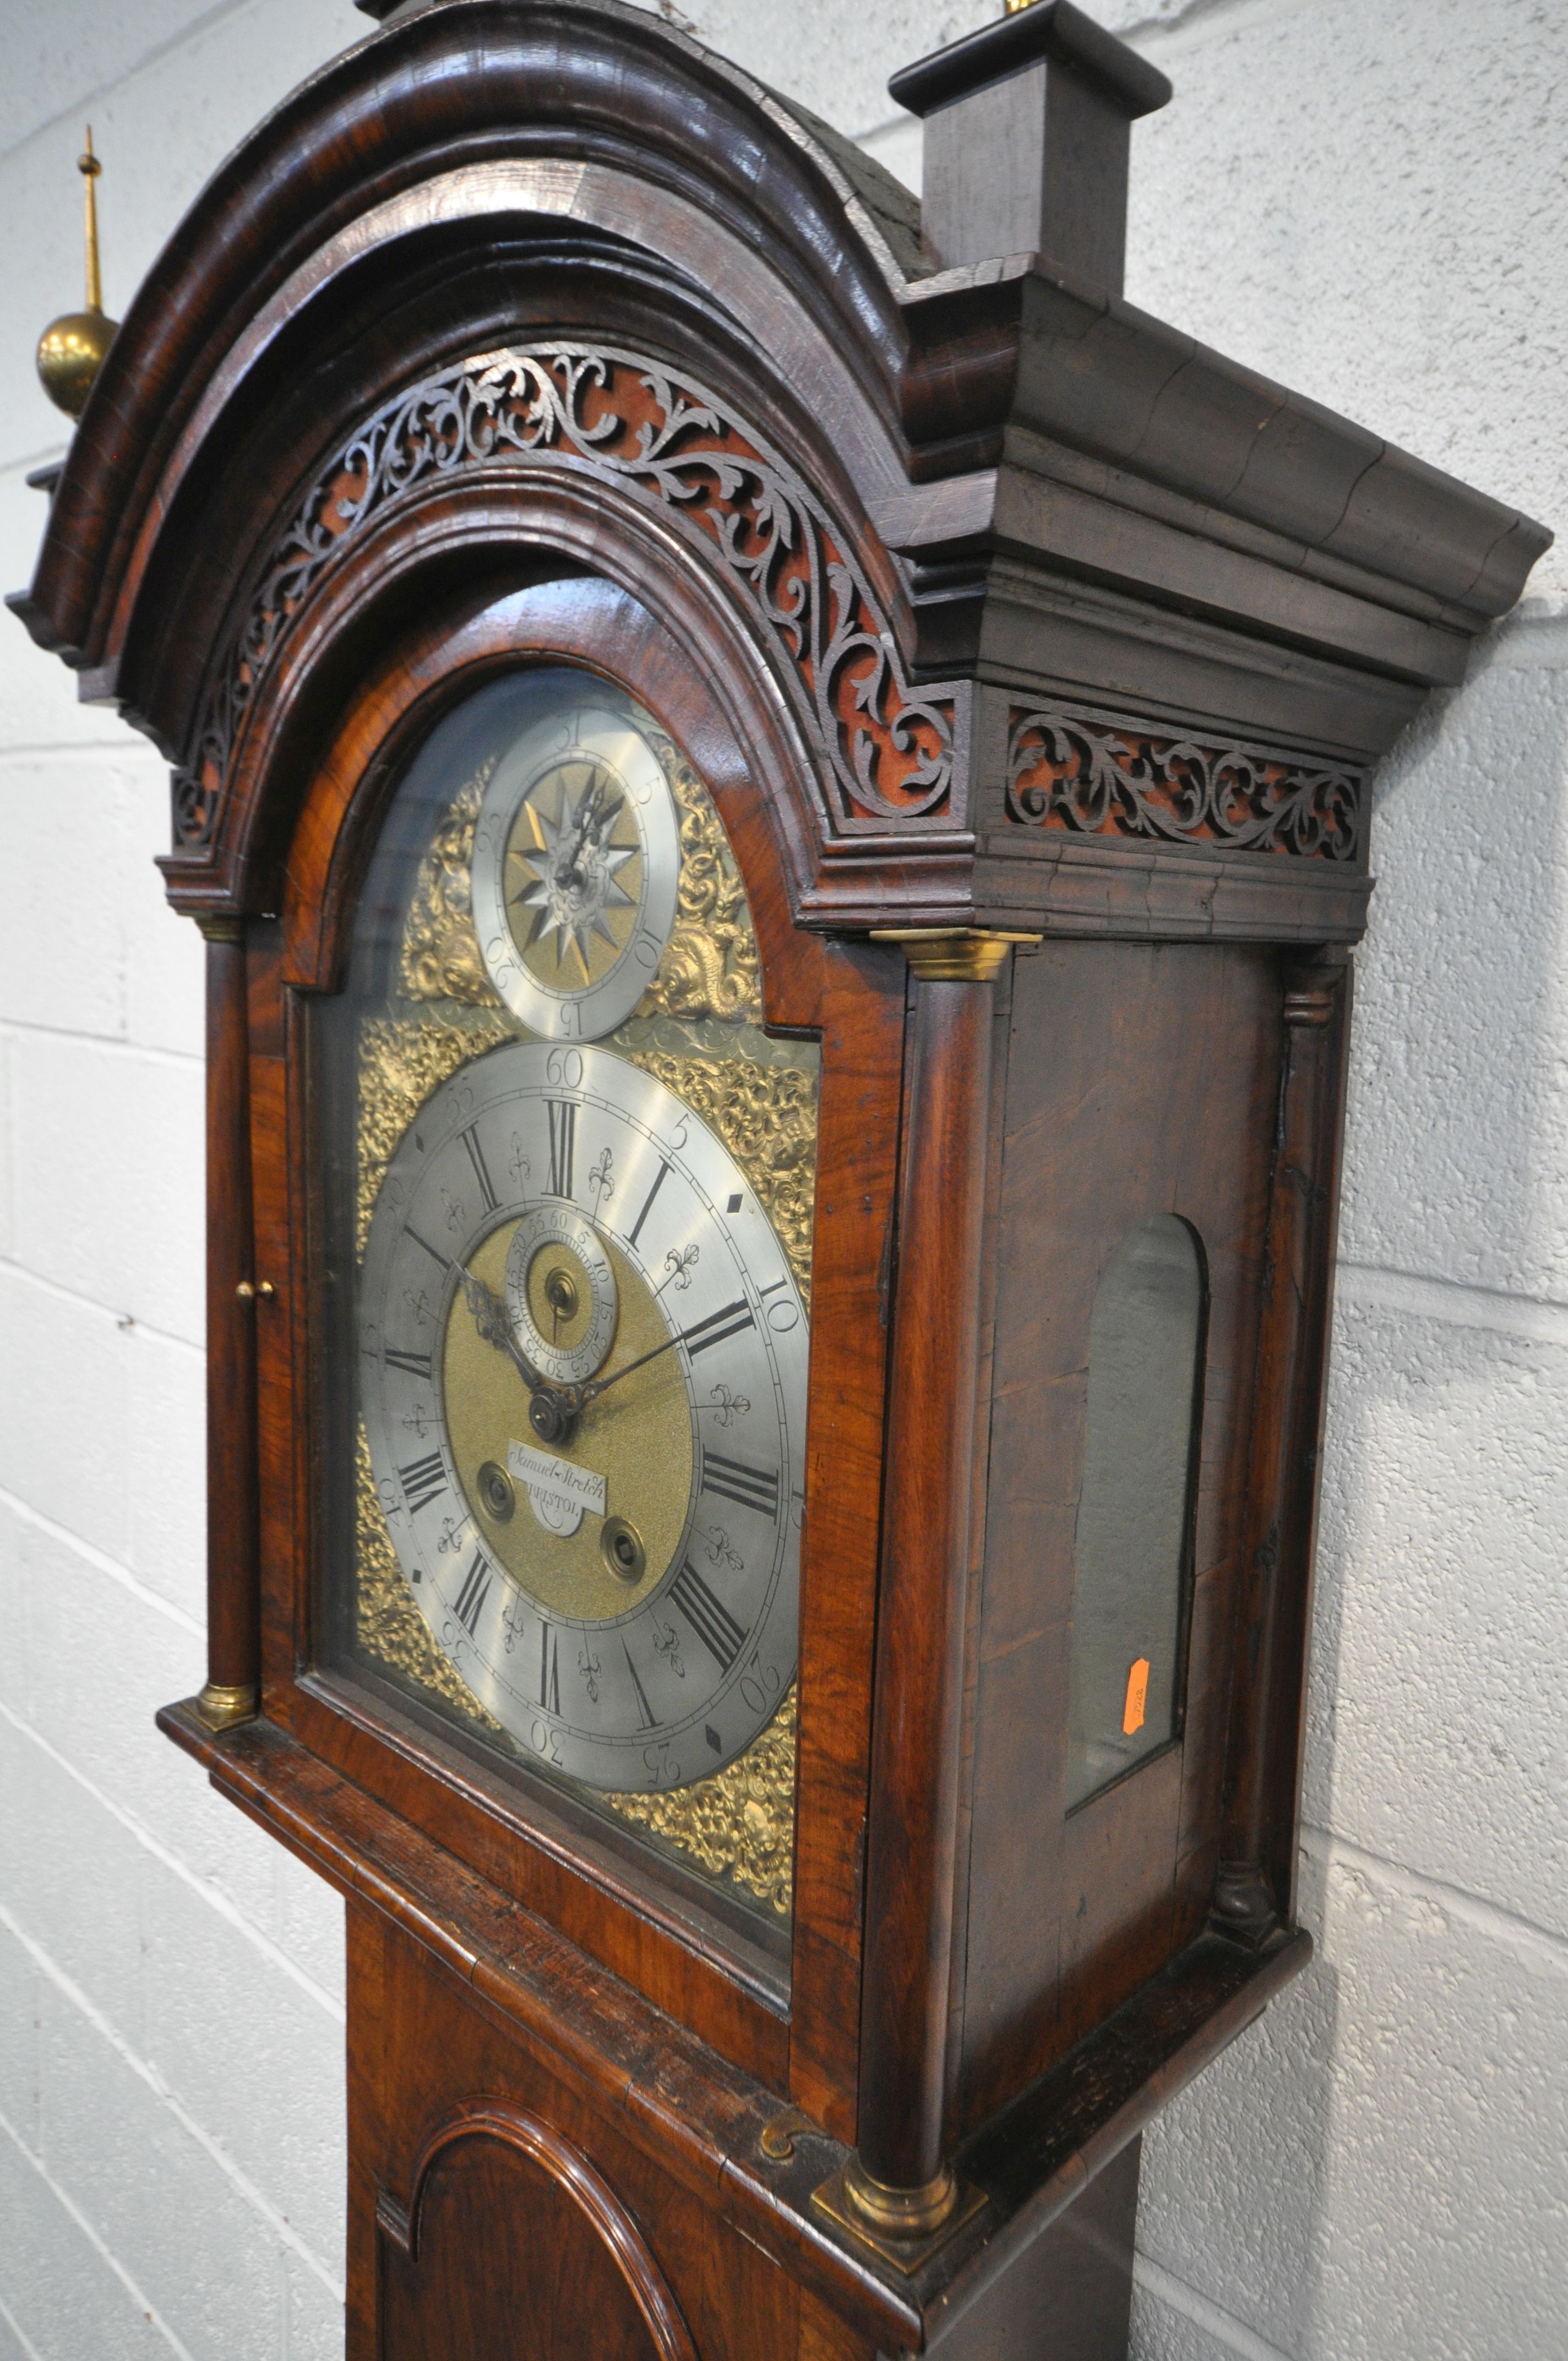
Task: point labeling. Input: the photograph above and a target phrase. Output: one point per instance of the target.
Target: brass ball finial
(71, 348)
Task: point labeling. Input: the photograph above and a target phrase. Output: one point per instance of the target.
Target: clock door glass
(569, 1181)
(1133, 1544)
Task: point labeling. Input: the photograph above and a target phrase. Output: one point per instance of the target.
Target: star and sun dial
(571, 899)
(576, 864)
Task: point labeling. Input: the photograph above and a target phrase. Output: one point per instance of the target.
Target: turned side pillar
(234, 1616)
(1253, 1887)
(898, 2186)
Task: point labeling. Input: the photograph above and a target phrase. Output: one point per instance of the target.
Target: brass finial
(71, 348)
(1013, 6)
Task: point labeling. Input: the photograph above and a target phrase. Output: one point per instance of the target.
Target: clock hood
(946, 508)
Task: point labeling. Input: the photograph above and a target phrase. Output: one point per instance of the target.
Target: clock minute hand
(591, 1393)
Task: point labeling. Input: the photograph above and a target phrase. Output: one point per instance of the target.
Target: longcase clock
(777, 789)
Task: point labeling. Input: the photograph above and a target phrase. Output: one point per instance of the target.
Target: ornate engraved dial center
(562, 1294)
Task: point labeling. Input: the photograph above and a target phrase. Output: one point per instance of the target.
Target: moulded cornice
(593, 81)
(1020, 488)
(945, 364)
(1094, 374)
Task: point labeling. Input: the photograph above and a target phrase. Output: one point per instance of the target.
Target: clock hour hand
(490, 1320)
(552, 1410)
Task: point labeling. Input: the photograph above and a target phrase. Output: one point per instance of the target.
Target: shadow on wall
(1234, 2174)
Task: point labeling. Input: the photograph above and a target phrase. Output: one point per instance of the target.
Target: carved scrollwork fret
(890, 748)
(1097, 775)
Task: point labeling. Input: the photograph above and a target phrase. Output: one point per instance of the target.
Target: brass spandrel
(710, 966)
(739, 1825)
(440, 951)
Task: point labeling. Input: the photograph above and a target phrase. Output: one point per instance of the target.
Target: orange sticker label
(1137, 1696)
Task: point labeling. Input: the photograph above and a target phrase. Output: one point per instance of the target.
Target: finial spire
(89, 167)
(71, 348)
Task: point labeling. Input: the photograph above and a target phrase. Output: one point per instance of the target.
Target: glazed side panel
(1142, 1081)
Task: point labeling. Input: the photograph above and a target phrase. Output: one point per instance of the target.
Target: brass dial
(638, 1452)
(585, 1363)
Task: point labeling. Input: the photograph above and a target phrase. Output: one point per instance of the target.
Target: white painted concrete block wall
(170, 1982)
(1365, 198)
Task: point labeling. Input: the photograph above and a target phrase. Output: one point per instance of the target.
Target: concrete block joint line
(93, 2017)
(84, 2228)
(1348, 195)
(1229, 2334)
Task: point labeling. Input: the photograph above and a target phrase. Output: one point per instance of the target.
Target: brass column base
(901, 2226)
(222, 1708)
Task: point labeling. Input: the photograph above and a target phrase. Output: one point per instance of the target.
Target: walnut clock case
(778, 796)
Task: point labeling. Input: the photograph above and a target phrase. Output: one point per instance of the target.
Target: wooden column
(1253, 1890)
(233, 1613)
(898, 2184)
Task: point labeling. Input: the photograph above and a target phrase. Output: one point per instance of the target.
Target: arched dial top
(583, 1364)
(575, 864)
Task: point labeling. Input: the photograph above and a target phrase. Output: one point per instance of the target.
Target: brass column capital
(953, 954)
